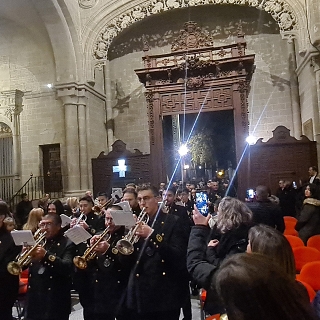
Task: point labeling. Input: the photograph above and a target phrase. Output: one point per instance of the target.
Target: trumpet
(25, 258)
(125, 245)
(81, 262)
(97, 208)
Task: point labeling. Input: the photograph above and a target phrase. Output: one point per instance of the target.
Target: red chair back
(288, 218)
(290, 230)
(310, 274)
(294, 241)
(303, 255)
(314, 242)
(310, 290)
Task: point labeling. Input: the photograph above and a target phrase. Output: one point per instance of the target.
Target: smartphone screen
(250, 193)
(202, 202)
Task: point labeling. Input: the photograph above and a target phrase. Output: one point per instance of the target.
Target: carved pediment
(191, 37)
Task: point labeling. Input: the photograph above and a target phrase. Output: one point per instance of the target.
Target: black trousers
(9, 288)
(94, 316)
(164, 315)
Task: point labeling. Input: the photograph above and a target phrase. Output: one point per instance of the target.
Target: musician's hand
(102, 247)
(83, 224)
(199, 219)
(73, 222)
(39, 253)
(213, 243)
(144, 231)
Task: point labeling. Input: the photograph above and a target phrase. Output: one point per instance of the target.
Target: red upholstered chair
(310, 290)
(290, 230)
(294, 241)
(303, 255)
(314, 242)
(288, 218)
(310, 273)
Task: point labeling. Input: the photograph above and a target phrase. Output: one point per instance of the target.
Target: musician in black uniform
(179, 210)
(155, 290)
(102, 283)
(131, 195)
(48, 295)
(9, 284)
(92, 222)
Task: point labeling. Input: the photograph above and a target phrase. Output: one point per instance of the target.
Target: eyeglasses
(145, 199)
(43, 225)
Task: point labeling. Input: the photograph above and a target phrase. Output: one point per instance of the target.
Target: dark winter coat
(308, 223)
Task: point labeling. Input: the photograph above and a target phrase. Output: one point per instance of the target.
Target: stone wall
(269, 99)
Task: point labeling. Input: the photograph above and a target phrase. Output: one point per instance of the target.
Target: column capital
(75, 93)
(11, 103)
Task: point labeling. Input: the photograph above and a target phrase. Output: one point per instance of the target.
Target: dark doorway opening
(51, 164)
(211, 133)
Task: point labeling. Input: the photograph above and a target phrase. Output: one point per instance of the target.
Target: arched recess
(110, 21)
(63, 37)
(6, 160)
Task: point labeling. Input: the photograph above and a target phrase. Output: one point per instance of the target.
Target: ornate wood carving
(199, 79)
(191, 37)
(272, 160)
(102, 168)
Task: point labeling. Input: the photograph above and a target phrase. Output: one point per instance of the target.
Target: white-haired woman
(207, 249)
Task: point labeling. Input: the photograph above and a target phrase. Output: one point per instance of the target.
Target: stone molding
(280, 10)
(76, 94)
(11, 104)
(87, 4)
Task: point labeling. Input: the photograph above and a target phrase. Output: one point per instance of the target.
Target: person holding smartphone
(230, 236)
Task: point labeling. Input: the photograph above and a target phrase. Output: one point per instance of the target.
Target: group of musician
(146, 280)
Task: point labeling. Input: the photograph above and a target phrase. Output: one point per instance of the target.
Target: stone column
(294, 90)
(83, 150)
(74, 119)
(315, 61)
(109, 111)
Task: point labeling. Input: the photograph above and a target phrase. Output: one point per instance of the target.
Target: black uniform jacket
(49, 286)
(9, 284)
(102, 284)
(156, 280)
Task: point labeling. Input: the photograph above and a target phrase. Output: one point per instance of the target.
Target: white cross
(121, 168)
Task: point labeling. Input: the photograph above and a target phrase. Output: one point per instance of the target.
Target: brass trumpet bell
(125, 247)
(80, 262)
(14, 268)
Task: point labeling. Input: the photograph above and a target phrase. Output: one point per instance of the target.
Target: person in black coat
(156, 284)
(22, 210)
(48, 295)
(308, 223)
(9, 284)
(101, 285)
(208, 248)
(266, 212)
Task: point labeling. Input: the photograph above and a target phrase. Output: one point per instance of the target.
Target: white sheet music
(77, 234)
(21, 237)
(123, 218)
(65, 220)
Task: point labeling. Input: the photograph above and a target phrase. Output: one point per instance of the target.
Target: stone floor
(76, 313)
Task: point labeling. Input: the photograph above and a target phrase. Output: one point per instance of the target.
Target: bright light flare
(251, 140)
(183, 150)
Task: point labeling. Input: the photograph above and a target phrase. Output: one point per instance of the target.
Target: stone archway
(288, 14)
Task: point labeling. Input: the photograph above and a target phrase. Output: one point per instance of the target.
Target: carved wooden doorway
(197, 77)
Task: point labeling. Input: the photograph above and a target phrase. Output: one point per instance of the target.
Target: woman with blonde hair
(34, 218)
(73, 203)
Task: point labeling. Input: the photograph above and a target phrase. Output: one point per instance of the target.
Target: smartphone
(250, 194)
(202, 202)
